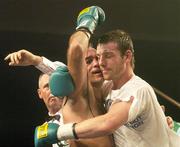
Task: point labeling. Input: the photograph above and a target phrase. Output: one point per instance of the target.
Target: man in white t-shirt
(134, 115)
(49, 66)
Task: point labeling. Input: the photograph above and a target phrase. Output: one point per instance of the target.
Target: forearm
(91, 128)
(94, 127)
(86, 129)
(78, 45)
(104, 124)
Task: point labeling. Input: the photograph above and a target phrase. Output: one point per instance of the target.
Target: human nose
(51, 95)
(95, 62)
(101, 61)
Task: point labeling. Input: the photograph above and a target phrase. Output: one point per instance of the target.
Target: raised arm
(23, 58)
(78, 46)
(26, 58)
(88, 19)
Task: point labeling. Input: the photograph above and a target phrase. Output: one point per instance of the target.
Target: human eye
(89, 60)
(107, 55)
(46, 86)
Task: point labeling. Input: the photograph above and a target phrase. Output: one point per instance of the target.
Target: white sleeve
(47, 66)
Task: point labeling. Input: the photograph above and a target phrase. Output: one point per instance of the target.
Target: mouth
(52, 98)
(96, 71)
(104, 71)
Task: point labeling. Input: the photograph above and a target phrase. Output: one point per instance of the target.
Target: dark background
(44, 26)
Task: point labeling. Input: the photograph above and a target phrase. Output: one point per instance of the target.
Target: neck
(118, 83)
(97, 85)
(53, 111)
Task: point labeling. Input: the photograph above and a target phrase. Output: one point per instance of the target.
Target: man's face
(112, 64)
(51, 102)
(94, 71)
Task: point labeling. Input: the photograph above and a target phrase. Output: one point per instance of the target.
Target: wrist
(37, 60)
(85, 31)
(74, 131)
(66, 132)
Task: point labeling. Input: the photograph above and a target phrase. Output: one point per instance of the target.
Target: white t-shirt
(146, 125)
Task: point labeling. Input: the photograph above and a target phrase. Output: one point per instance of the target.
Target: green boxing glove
(46, 134)
(176, 127)
(61, 83)
(89, 18)
(51, 133)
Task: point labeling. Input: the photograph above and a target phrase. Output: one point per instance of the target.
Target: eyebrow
(88, 57)
(46, 85)
(105, 52)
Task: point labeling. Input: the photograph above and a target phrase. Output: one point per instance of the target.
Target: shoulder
(137, 84)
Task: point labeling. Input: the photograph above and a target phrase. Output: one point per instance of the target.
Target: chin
(107, 77)
(97, 81)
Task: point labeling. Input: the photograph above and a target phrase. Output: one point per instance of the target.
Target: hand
(163, 108)
(170, 122)
(22, 58)
(45, 134)
(61, 83)
(89, 18)
(51, 133)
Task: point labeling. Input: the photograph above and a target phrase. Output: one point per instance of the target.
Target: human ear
(39, 93)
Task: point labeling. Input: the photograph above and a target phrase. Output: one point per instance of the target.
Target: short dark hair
(122, 38)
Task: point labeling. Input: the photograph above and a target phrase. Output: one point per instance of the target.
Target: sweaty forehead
(43, 80)
(107, 47)
(91, 52)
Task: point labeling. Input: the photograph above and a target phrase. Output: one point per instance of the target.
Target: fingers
(19, 55)
(21, 58)
(7, 57)
(13, 58)
(163, 108)
(170, 122)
